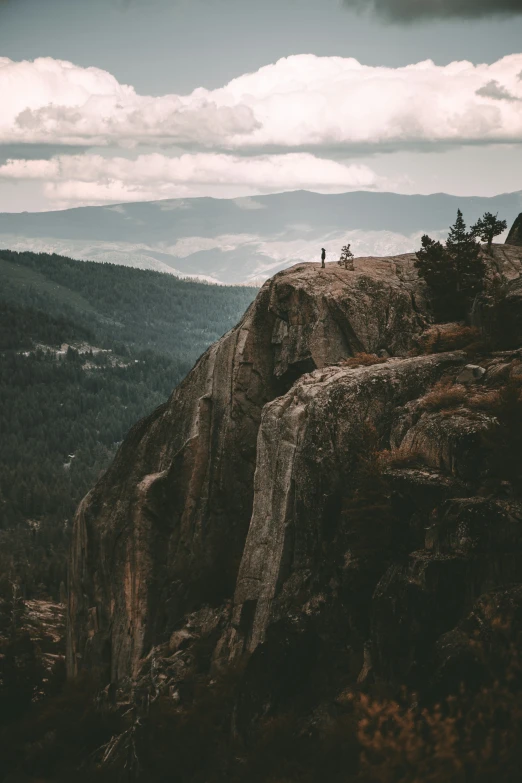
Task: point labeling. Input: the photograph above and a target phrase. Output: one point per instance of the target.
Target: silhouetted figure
(323, 256)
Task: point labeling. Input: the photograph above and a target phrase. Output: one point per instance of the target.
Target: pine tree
(454, 272)
(436, 267)
(488, 227)
(468, 262)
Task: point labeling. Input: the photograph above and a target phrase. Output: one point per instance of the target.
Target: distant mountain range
(245, 240)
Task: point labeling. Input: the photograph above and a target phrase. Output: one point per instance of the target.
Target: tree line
(455, 271)
(132, 336)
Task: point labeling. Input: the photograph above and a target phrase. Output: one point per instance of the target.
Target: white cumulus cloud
(312, 101)
(94, 179)
(57, 102)
(299, 101)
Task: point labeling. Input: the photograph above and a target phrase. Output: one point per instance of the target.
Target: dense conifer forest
(86, 350)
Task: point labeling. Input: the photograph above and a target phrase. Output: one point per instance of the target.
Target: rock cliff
(163, 531)
(515, 234)
(298, 505)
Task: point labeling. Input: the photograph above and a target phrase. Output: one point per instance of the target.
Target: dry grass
(400, 458)
(363, 360)
(472, 737)
(453, 337)
(443, 396)
(485, 400)
(446, 396)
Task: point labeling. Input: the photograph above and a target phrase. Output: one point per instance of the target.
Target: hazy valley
(244, 240)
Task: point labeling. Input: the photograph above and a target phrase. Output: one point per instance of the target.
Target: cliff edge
(163, 530)
(235, 514)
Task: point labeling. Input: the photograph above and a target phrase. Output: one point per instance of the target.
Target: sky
(111, 101)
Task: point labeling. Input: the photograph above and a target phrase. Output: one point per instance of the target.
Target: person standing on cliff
(323, 256)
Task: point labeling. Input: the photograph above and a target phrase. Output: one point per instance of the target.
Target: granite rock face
(307, 445)
(163, 531)
(512, 310)
(230, 520)
(515, 234)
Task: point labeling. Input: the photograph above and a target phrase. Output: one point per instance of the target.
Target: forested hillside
(86, 350)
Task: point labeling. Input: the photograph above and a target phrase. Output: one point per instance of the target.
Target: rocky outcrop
(511, 313)
(163, 530)
(503, 262)
(308, 442)
(238, 524)
(481, 648)
(472, 546)
(43, 622)
(515, 234)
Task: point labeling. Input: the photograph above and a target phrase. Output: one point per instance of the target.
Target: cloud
(496, 91)
(118, 208)
(303, 102)
(249, 204)
(366, 243)
(187, 246)
(409, 10)
(309, 101)
(93, 179)
(50, 101)
(173, 206)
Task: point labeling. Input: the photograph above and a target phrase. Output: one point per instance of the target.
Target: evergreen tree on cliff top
(440, 275)
(454, 272)
(489, 227)
(470, 268)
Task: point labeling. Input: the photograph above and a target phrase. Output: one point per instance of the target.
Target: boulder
(471, 373)
(450, 441)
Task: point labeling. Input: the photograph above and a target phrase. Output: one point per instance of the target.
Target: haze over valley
(245, 240)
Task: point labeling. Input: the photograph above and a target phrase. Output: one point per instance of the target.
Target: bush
(472, 737)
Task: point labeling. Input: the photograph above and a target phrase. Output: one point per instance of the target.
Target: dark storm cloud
(392, 10)
(411, 10)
